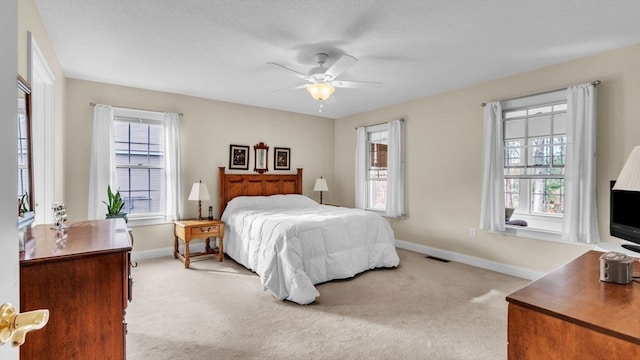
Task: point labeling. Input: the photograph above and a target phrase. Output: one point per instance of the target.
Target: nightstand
(187, 230)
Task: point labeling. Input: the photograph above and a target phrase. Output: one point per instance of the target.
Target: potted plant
(25, 215)
(115, 205)
(23, 205)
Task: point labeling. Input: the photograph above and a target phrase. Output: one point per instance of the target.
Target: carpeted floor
(424, 309)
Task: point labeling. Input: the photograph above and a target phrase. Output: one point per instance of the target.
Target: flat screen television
(625, 217)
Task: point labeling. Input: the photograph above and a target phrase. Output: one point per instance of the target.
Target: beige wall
(29, 21)
(208, 127)
(442, 180)
(444, 148)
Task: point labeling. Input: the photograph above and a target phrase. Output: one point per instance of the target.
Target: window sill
(384, 215)
(539, 234)
(401, 217)
(146, 221)
(534, 233)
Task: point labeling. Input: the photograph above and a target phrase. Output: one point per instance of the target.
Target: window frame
(143, 117)
(551, 223)
(369, 181)
(395, 189)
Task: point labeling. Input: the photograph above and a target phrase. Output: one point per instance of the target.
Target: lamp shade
(199, 192)
(321, 185)
(629, 178)
(320, 91)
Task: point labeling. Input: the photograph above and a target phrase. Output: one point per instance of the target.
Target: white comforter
(292, 242)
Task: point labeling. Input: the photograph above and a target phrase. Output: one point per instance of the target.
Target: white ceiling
(219, 49)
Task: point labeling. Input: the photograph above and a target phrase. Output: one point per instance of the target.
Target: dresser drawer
(208, 230)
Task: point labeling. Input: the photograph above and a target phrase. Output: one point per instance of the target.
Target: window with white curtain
(380, 168)
(138, 153)
(539, 157)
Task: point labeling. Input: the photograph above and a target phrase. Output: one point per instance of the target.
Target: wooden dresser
(83, 277)
(571, 314)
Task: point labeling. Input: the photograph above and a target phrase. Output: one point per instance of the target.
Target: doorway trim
(43, 130)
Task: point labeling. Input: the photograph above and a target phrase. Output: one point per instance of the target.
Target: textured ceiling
(219, 49)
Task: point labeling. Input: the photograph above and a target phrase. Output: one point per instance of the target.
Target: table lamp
(199, 192)
(321, 185)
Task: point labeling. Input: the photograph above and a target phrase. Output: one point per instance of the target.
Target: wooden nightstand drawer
(210, 230)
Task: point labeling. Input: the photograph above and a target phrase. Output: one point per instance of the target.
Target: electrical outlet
(472, 233)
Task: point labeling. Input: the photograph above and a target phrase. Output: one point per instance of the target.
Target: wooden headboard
(232, 185)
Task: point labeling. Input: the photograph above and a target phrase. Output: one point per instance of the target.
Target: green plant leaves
(116, 203)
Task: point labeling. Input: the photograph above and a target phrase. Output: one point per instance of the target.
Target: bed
(294, 243)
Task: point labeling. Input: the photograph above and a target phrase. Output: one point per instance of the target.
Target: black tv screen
(625, 216)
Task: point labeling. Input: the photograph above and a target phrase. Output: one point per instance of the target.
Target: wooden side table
(187, 230)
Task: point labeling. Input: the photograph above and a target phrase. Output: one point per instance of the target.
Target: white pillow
(289, 201)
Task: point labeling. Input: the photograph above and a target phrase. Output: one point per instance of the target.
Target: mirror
(261, 151)
(25, 161)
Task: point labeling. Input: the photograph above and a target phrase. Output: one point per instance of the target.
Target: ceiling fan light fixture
(320, 91)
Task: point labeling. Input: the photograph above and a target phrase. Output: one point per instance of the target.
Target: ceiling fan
(322, 80)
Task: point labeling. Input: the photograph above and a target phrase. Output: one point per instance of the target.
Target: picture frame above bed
(261, 155)
(281, 158)
(238, 157)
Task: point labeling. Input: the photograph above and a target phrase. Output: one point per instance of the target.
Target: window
(535, 145)
(25, 193)
(377, 140)
(23, 150)
(139, 156)
(380, 168)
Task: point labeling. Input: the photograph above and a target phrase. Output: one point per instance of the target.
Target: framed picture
(282, 158)
(260, 158)
(238, 157)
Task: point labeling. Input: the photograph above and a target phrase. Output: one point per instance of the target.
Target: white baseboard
(471, 260)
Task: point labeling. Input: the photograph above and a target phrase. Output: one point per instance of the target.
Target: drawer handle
(205, 229)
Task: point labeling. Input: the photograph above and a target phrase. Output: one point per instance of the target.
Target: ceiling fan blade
(355, 84)
(296, 73)
(291, 88)
(345, 62)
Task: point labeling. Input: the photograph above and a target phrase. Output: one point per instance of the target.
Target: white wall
(208, 127)
(444, 149)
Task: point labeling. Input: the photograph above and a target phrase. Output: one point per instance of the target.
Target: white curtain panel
(102, 161)
(173, 183)
(580, 213)
(395, 170)
(361, 167)
(492, 207)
